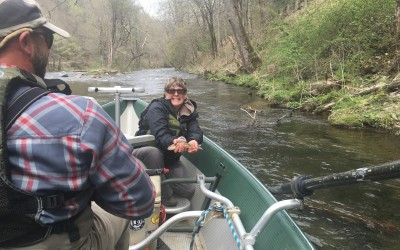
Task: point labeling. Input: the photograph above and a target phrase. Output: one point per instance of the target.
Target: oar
(302, 186)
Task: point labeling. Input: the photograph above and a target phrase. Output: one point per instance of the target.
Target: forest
(339, 58)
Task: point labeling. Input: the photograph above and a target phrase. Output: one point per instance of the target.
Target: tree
(207, 8)
(186, 33)
(397, 18)
(250, 59)
(122, 26)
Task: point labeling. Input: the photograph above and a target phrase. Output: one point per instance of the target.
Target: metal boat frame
(223, 206)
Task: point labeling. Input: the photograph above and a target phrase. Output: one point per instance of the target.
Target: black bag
(17, 208)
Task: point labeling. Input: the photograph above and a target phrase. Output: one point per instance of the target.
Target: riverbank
(328, 58)
(374, 104)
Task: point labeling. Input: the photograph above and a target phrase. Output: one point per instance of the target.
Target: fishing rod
(302, 186)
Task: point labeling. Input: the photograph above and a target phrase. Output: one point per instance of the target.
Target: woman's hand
(180, 145)
(194, 146)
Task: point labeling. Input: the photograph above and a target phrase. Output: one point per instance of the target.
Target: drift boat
(231, 208)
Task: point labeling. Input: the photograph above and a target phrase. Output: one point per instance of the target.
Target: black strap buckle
(67, 226)
(53, 201)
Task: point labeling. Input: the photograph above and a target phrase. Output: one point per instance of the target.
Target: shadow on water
(362, 216)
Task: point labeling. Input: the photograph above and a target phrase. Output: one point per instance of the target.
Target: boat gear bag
(20, 210)
(143, 127)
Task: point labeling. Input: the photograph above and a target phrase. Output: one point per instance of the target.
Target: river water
(361, 216)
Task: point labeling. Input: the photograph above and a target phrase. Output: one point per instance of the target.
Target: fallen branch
(252, 116)
(371, 89)
(327, 107)
(394, 86)
(284, 116)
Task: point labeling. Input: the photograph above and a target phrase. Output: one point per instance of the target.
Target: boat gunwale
(262, 192)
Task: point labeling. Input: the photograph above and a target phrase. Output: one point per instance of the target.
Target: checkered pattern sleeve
(69, 143)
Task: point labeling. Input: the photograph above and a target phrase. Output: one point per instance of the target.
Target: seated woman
(172, 120)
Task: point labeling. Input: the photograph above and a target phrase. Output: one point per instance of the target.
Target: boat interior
(227, 199)
(178, 236)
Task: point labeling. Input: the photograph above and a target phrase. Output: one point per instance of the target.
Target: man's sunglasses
(173, 91)
(48, 37)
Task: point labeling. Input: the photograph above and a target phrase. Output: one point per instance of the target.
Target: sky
(150, 6)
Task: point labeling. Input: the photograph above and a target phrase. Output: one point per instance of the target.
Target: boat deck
(170, 241)
(209, 237)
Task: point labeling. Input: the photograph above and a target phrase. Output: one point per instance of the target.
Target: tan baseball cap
(23, 14)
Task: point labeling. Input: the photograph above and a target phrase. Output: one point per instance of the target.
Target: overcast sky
(150, 6)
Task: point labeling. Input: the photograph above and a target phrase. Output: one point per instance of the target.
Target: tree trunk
(214, 48)
(250, 60)
(397, 20)
(296, 5)
(249, 19)
(113, 32)
(261, 8)
(207, 10)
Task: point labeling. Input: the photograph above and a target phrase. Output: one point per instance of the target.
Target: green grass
(348, 41)
(371, 111)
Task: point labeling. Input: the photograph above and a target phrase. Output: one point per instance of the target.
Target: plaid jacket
(69, 144)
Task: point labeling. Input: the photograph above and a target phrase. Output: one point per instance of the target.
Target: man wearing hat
(60, 187)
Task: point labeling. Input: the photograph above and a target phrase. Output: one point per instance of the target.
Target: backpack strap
(58, 86)
(143, 128)
(21, 103)
(13, 111)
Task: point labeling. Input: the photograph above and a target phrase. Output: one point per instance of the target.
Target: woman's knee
(154, 152)
(184, 189)
(151, 157)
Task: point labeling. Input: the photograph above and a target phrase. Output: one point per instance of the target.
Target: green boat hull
(244, 190)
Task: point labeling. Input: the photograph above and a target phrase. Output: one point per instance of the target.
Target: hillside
(334, 57)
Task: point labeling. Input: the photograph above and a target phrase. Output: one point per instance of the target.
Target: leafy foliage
(337, 39)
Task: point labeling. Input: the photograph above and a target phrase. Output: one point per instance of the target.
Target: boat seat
(141, 140)
(129, 126)
(182, 206)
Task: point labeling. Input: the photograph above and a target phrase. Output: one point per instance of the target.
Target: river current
(283, 144)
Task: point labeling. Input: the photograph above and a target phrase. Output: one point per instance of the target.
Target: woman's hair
(175, 81)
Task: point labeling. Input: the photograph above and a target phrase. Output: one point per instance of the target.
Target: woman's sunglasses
(173, 91)
(48, 37)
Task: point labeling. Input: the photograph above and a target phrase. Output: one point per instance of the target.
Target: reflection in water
(360, 216)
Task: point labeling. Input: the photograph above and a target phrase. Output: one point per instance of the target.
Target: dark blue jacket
(160, 120)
